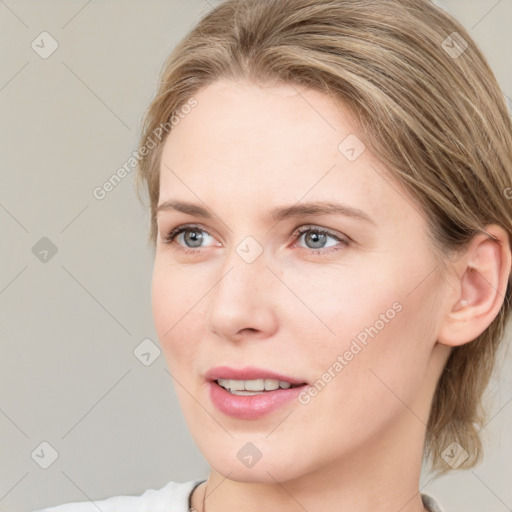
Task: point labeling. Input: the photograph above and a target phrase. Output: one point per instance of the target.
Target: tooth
(271, 384)
(236, 385)
(251, 387)
(255, 385)
(223, 382)
(246, 393)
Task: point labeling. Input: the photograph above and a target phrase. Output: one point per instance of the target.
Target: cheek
(373, 333)
(390, 297)
(176, 307)
(336, 303)
(163, 303)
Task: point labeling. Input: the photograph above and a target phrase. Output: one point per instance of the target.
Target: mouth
(254, 387)
(251, 393)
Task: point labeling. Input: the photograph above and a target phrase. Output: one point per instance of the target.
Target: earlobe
(484, 272)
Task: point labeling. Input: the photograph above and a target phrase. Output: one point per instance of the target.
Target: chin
(252, 459)
(262, 472)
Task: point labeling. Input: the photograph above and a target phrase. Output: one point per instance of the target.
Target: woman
(327, 183)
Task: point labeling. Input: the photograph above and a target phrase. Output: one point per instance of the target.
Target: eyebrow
(276, 214)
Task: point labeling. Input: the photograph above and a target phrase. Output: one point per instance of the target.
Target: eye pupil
(195, 237)
(316, 238)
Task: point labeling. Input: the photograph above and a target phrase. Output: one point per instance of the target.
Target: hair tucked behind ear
(428, 107)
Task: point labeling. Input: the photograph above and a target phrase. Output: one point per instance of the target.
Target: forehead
(254, 144)
(260, 117)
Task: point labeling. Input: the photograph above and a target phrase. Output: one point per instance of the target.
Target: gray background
(69, 325)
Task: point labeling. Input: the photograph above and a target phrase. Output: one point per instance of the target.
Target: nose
(243, 302)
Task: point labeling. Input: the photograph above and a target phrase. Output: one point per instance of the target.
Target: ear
(483, 273)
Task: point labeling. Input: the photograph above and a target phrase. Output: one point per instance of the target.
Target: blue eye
(317, 237)
(195, 239)
(190, 238)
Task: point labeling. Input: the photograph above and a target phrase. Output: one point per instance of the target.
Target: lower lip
(251, 407)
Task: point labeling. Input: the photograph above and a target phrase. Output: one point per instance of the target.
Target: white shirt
(173, 497)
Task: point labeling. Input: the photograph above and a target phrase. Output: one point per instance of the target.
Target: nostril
(250, 329)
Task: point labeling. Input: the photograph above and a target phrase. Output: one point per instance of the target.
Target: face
(257, 283)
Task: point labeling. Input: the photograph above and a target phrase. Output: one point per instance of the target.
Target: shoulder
(173, 497)
(431, 504)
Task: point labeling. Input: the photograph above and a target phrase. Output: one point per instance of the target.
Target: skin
(357, 445)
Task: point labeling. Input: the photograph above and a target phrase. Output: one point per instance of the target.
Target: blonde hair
(428, 107)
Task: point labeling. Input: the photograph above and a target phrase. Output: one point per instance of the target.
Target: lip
(248, 373)
(250, 407)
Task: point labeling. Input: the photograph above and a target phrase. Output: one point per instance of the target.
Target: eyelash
(170, 239)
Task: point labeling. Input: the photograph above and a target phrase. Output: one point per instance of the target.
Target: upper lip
(248, 373)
